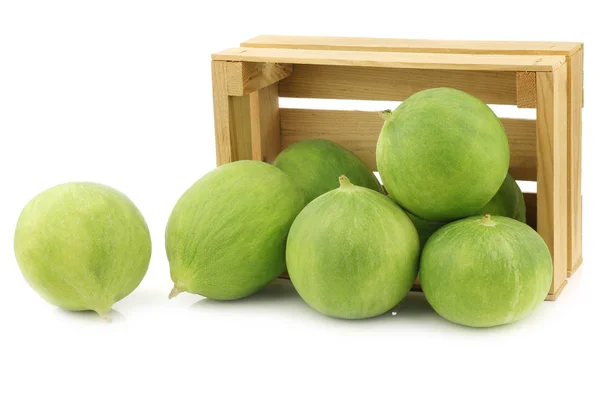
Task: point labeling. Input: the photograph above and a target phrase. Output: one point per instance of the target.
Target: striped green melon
(226, 236)
(485, 271)
(352, 253)
(82, 246)
(442, 154)
(507, 202)
(315, 166)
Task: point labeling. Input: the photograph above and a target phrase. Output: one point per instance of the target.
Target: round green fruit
(352, 253)
(82, 246)
(507, 202)
(226, 236)
(485, 271)
(424, 227)
(442, 154)
(315, 166)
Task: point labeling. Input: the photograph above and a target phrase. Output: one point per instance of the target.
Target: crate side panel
(365, 83)
(413, 45)
(358, 132)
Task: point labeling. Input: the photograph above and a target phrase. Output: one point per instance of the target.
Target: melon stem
(174, 292)
(386, 115)
(487, 220)
(345, 182)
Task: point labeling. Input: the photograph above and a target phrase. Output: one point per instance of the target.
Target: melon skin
(442, 154)
(424, 227)
(315, 166)
(225, 238)
(485, 271)
(82, 246)
(352, 253)
(507, 202)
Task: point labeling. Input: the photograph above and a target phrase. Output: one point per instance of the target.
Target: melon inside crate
(548, 76)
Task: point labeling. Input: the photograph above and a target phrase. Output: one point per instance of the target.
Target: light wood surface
(476, 62)
(574, 215)
(367, 83)
(526, 91)
(552, 168)
(232, 119)
(264, 112)
(247, 77)
(358, 132)
(413, 45)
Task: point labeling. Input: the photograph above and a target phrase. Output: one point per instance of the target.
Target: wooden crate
(548, 76)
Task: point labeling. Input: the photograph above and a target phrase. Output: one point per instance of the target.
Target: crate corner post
(552, 180)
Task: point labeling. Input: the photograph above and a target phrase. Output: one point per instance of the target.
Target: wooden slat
(531, 209)
(574, 215)
(479, 62)
(247, 77)
(367, 83)
(264, 112)
(358, 132)
(413, 45)
(526, 91)
(552, 168)
(232, 119)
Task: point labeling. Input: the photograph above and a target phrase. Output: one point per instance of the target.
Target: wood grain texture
(475, 62)
(358, 132)
(221, 112)
(246, 77)
(264, 113)
(574, 105)
(552, 168)
(413, 45)
(526, 91)
(232, 119)
(368, 83)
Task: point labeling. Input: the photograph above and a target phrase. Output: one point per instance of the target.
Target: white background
(119, 92)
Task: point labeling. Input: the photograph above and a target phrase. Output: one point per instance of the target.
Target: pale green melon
(424, 227)
(485, 271)
(82, 246)
(315, 166)
(352, 253)
(442, 154)
(226, 236)
(507, 202)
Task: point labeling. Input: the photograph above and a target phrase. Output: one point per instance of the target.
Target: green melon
(508, 201)
(226, 236)
(82, 246)
(485, 271)
(424, 227)
(352, 253)
(442, 154)
(315, 166)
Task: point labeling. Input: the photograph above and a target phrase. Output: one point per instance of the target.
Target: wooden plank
(231, 118)
(413, 45)
(574, 104)
(393, 84)
(552, 168)
(264, 116)
(531, 209)
(358, 132)
(526, 90)
(479, 62)
(246, 77)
